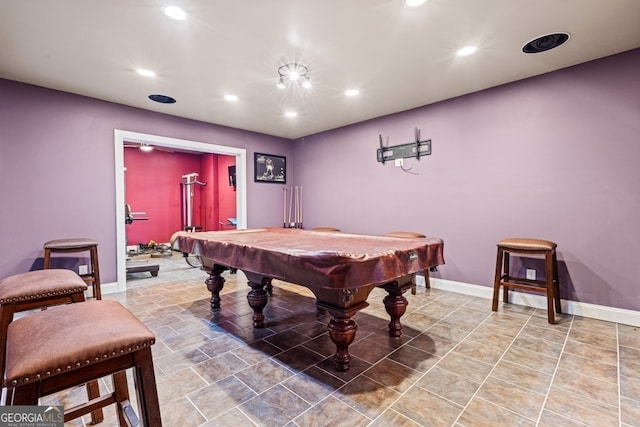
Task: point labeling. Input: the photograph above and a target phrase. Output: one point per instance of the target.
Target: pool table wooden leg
(215, 283)
(342, 331)
(258, 298)
(396, 305)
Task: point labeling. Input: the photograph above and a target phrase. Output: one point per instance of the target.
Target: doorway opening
(121, 137)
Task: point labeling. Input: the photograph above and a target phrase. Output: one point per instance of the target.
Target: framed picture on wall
(269, 168)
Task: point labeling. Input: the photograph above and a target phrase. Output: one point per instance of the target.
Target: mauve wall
(57, 173)
(554, 157)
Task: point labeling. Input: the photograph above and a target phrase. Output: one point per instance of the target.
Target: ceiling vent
(163, 99)
(544, 43)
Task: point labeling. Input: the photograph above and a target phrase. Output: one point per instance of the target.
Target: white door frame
(120, 136)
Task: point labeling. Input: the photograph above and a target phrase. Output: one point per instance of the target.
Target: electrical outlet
(83, 269)
(531, 274)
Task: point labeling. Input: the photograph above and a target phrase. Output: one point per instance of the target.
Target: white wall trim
(600, 312)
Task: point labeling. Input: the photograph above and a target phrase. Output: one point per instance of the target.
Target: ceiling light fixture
(293, 73)
(291, 114)
(468, 50)
(352, 92)
(146, 73)
(174, 12)
(414, 3)
(231, 97)
(146, 148)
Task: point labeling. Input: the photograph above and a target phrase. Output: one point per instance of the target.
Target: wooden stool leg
(95, 271)
(26, 394)
(47, 259)
(496, 282)
(427, 282)
(121, 392)
(146, 388)
(549, 279)
(93, 392)
(556, 283)
(505, 275)
(6, 316)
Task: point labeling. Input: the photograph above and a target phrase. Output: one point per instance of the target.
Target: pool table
(341, 270)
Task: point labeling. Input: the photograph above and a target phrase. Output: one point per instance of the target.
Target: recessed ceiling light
(174, 12)
(291, 114)
(546, 42)
(352, 92)
(146, 148)
(146, 73)
(414, 3)
(163, 99)
(231, 97)
(467, 50)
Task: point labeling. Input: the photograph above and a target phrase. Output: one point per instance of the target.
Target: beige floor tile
(481, 413)
(414, 358)
(465, 367)
(393, 418)
(332, 412)
(600, 354)
(313, 385)
(393, 375)
(531, 359)
(426, 408)
(449, 386)
(479, 351)
(263, 375)
(219, 397)
(580, 408)
(630, 411)
(367, 396)
(509, 396)
(591, 368)
(587, 386)
(275, 407)
(530, 379)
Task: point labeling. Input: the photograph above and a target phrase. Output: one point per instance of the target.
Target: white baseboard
(105, 288)
(600, 312)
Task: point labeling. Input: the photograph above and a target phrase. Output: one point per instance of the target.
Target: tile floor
(457, 364)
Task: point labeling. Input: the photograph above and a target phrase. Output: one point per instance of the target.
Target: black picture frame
(269, 168)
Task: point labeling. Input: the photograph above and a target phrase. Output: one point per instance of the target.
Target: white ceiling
(398, 57)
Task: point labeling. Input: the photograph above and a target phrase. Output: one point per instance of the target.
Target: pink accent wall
(226, 195)
(153, 186)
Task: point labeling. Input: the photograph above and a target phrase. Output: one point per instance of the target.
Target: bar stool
(413, 235)
(78, 351)
(37, 290)
(503, 277)
(73, 246)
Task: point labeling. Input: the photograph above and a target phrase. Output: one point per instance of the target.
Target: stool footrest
(88, 407)
(540, 287)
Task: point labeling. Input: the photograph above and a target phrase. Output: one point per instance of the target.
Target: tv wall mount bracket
(415, 150)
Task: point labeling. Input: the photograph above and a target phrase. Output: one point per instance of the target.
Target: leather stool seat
(413, 235)
(40, 284)
(40, 289)
(60, 348)
(77, 245)
(503, 278)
